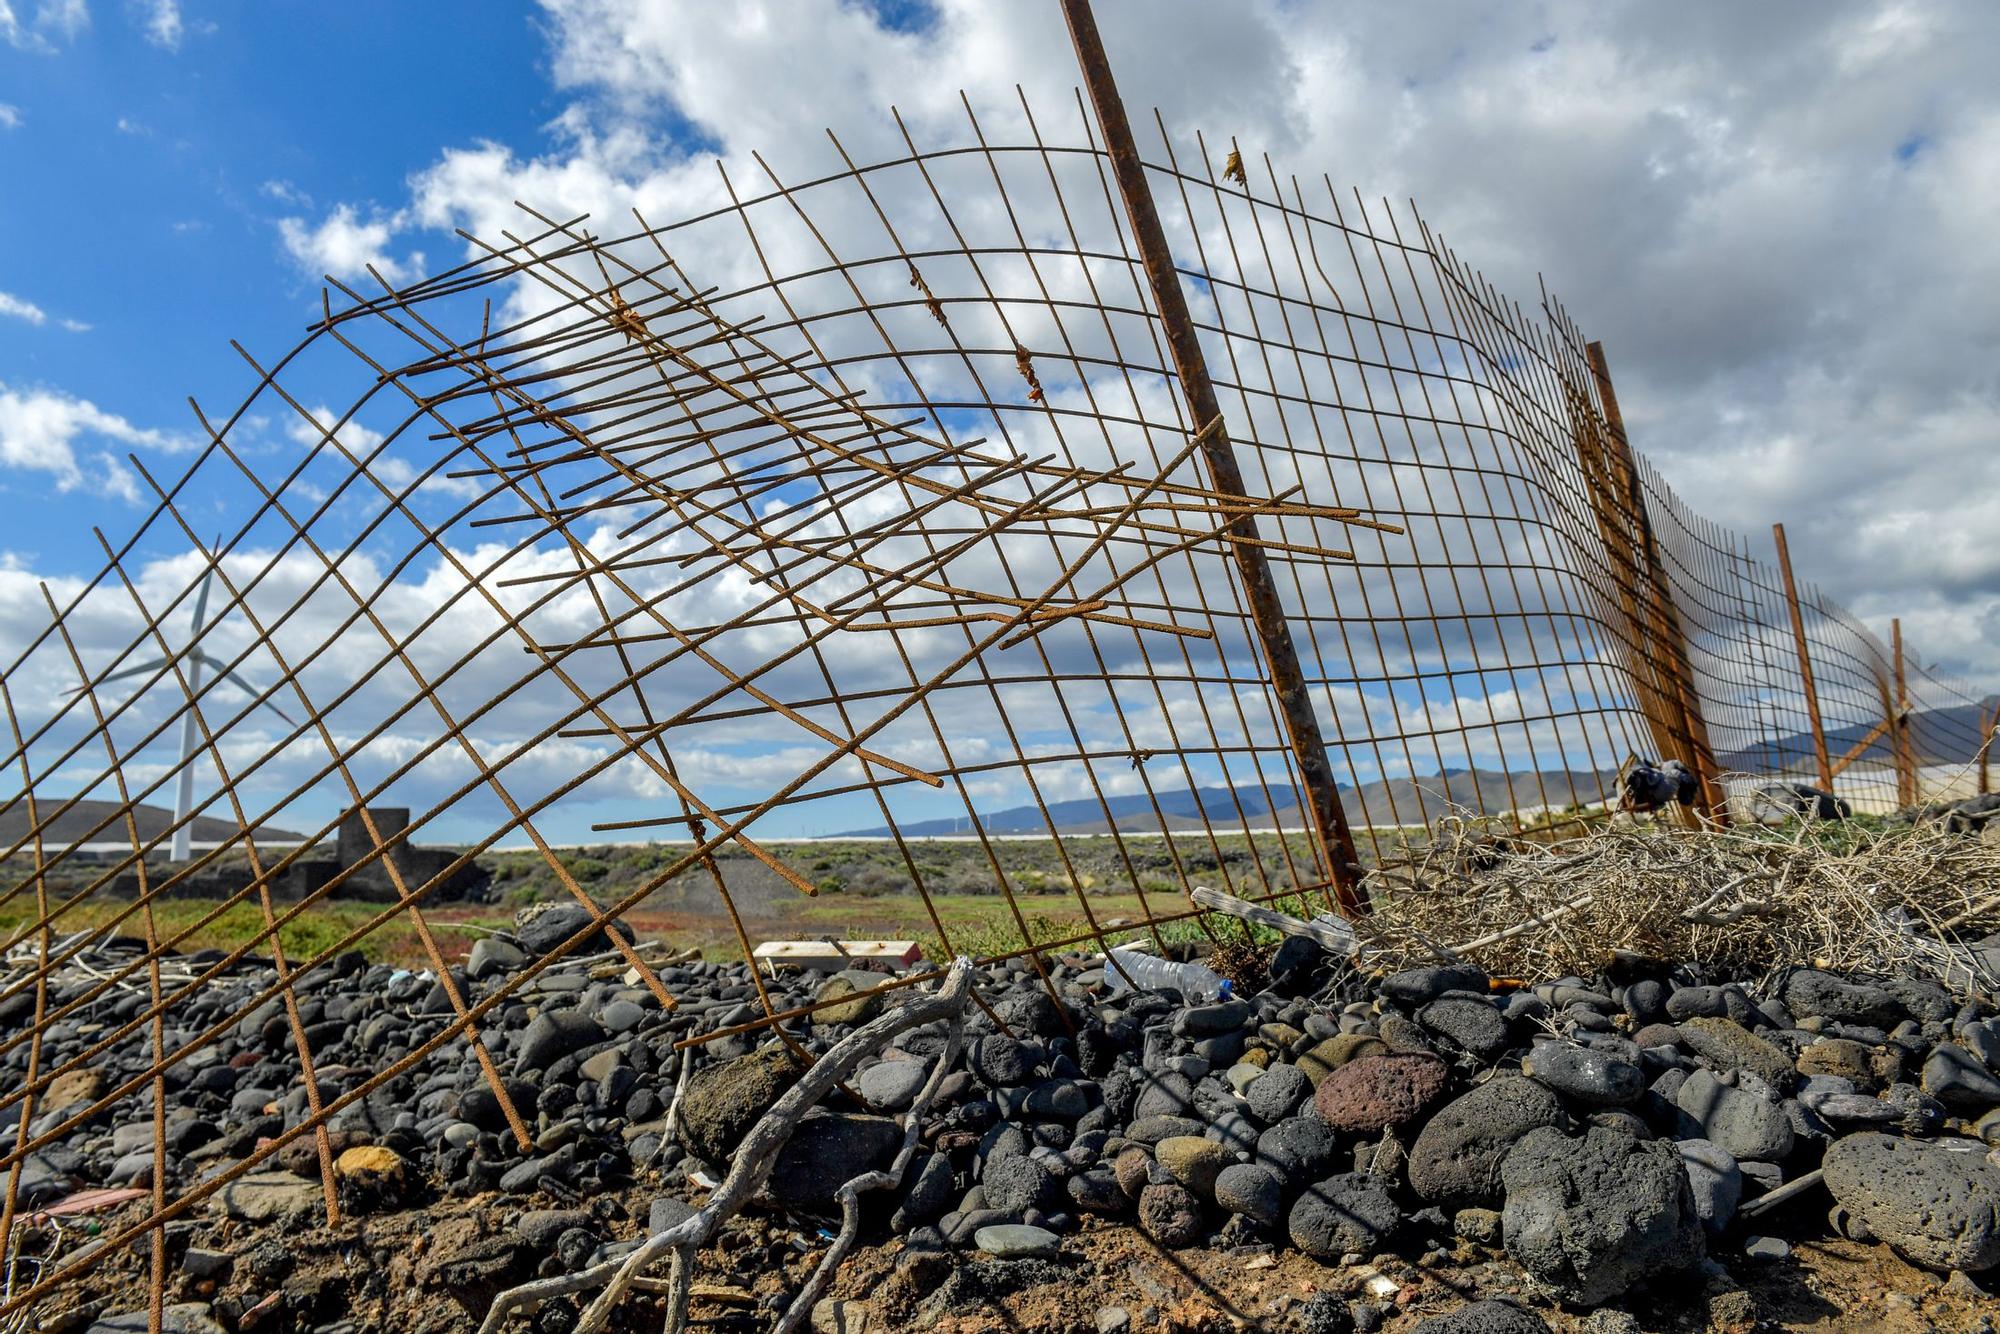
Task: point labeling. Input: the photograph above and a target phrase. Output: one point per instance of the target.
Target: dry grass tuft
(1891, 899)
(1244, 963)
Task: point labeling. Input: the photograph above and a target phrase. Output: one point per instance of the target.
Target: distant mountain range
(1393, 801)
(153, 821)
(1941, 736)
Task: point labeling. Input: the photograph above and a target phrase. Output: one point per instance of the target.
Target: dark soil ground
(434, 1271)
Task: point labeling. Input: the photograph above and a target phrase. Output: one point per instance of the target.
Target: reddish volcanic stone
(1375, 1092)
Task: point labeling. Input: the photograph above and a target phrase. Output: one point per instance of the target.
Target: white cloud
(356, 438)
(1773, 218)
(21, 309)
(1793, 304)
(62, 18)
(345, 246)
(392, 471)
(10, 115)
(163, 23)
(68, 17)
(48, 431)
(285, 192)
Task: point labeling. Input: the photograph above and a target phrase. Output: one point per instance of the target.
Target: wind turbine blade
(123, 672)
(225, 675)
(201, 601)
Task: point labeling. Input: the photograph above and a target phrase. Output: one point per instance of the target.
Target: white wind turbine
(196, 659)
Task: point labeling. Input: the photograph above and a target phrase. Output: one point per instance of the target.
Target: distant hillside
(154, 821)
(1483, 791)
(1941, 736)
(1403, 800)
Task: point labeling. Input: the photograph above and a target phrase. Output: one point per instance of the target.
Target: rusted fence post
(1987, 721)
(1675, 712)
(1274, 633)
(1899, 723)
(1805, 659)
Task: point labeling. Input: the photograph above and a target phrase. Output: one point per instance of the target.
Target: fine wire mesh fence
(861, 504)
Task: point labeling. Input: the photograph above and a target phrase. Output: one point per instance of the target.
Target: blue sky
(145, 185)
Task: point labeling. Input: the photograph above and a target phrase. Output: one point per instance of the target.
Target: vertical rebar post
(1988, 720)
(1805, 658)
(1899, 723)
(1274, 635)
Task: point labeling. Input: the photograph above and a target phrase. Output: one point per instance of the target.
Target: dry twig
(749, 1171)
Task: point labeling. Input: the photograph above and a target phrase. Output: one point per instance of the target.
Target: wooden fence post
(1674, 709)
(1805, 659)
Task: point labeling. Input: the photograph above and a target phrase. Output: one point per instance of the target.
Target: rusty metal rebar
(1274, 633)
(1804, 650)
(901, 493)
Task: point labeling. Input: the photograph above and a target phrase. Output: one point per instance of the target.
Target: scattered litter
(89, 1202)
(830, 956)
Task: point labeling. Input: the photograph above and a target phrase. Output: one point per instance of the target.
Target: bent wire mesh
(866, 506)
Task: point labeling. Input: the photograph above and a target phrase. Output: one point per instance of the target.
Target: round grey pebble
(1588, 1076)
(891, 1086)
(1348, 1214)
(1251, 1190)
(1300, 1147)
(1016, 1185)
(1017, 1241)
(1278, 1093)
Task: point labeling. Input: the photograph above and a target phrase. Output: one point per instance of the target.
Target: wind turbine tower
(197, 661)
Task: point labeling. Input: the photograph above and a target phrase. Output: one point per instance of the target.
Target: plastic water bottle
(1195, 981)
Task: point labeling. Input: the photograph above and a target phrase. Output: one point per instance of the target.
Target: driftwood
(1334, 936)
(747, 1174)
(1790, 1190)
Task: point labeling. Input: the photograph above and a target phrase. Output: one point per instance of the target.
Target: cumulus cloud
(48, 431)
(1774, 216)
(345, 245)
(10, 115)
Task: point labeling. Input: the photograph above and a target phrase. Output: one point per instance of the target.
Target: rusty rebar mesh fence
(860, 505)
(1893, 739)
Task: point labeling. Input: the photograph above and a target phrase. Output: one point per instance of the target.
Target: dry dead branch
(752, 1167)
